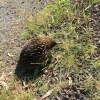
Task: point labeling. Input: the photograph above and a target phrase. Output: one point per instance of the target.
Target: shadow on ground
(28, 75)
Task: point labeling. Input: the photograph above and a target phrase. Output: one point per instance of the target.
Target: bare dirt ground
(13, 20)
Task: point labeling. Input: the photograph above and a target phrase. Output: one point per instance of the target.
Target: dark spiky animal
(35, 53)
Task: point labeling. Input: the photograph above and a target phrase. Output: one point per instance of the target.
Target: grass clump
(68, 22)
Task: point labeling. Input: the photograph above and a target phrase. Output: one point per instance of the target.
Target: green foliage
(25, 96)
(25, 36)
(95, 63)
(70, 25)
(50, 17)
(43, 88)
(63, 18)
(9, 95)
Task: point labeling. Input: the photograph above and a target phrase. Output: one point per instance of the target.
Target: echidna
(35, 53)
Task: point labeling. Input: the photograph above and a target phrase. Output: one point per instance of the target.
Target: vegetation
(68, 22)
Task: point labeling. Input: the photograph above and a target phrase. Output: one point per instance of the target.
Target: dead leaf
(70, 81)
(10, 55)
(10, 74)
(3, 76)
(4, 84)
(47, 94)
